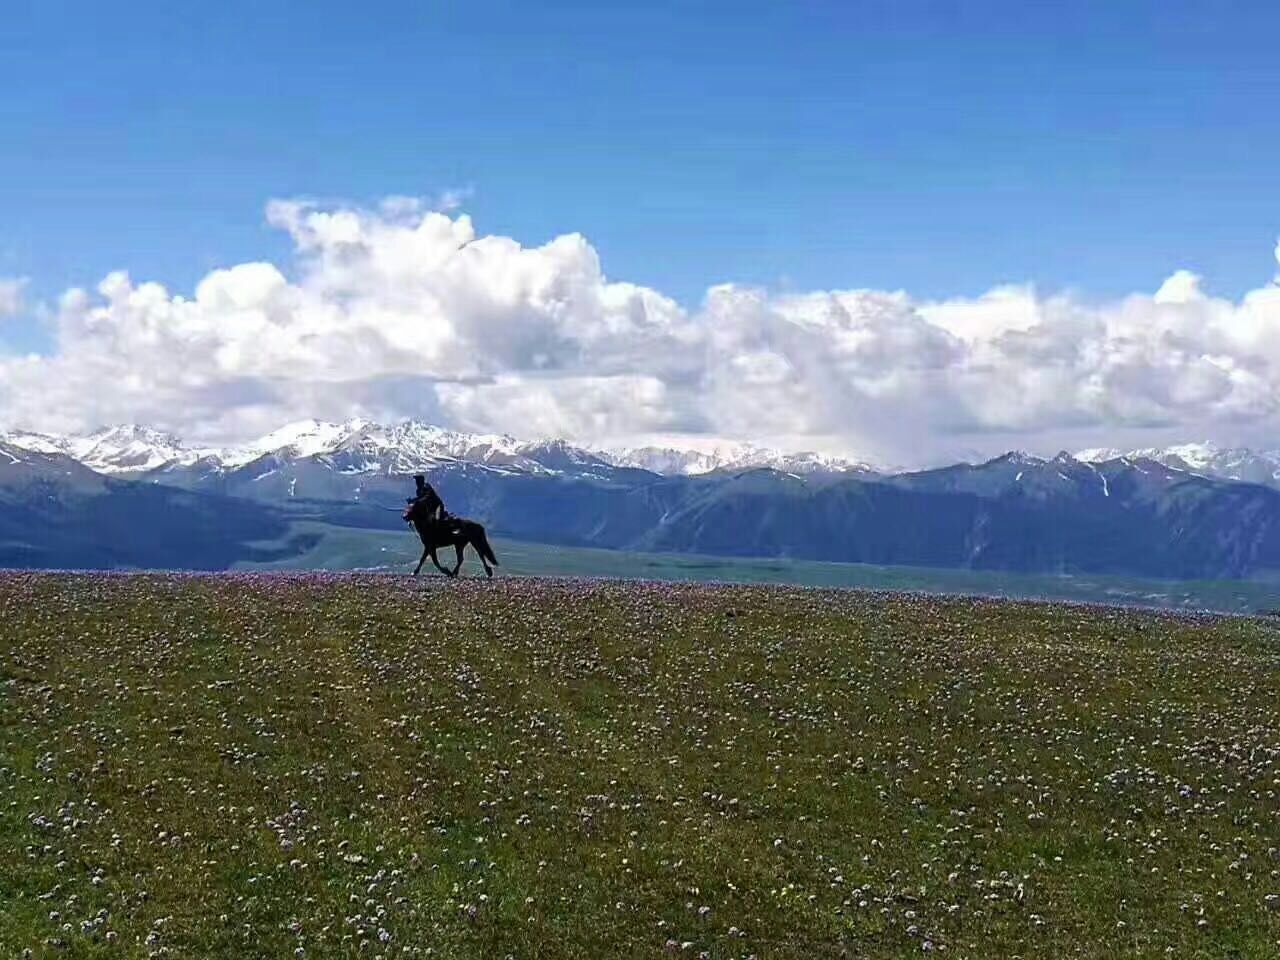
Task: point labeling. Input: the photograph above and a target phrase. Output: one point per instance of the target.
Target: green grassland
(347, 548)
(362, 766)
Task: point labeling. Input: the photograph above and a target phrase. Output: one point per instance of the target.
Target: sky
(905, 231)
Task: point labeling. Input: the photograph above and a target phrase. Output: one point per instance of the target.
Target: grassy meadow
(308, 765)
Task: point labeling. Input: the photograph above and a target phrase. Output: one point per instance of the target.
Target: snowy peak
(412, 445)
(671, 461)
(1206, 459)
(358, 445)
(1017, 458)
(365, 446)
(302, 438)
(34, 442)
(361, 446)
(561, 455)
(666, 461)
(1062, 479)
(1100, 454)
(128, 448)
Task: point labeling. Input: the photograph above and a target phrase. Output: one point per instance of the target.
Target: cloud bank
(404, 311)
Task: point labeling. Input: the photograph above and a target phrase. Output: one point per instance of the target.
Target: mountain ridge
(1243, 464)
(411, 445)
(1014, 512)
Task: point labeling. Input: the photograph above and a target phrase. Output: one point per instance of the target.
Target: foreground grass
(363, 767)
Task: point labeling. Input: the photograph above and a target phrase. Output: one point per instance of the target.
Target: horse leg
(459, 547)
(488, 570)
(421, 561)
(436, 561)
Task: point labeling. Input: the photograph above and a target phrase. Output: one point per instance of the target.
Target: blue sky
(941, 148)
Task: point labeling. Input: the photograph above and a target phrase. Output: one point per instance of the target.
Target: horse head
(413, 513)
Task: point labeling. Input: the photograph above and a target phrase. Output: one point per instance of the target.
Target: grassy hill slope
(366, 767)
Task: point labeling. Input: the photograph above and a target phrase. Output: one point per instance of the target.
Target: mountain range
(1206, 459)
(130, 496)
(406, 447)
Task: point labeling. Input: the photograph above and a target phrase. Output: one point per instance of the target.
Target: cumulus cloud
(406, 310)
(11, 300)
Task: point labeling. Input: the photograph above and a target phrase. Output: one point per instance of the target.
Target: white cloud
(11, 295)
(406, 310)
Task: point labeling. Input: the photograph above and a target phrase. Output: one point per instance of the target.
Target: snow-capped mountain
(360, 446)
(363, 446)
(303, 438)
(35, 442)
(737, 456)
(1206, 459)
(191, 506)
(127, 448)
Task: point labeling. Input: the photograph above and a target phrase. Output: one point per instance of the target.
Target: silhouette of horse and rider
(438, 528)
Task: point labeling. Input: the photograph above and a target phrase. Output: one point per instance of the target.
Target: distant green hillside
(346, 548)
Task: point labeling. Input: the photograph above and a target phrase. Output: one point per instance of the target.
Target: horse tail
(481, 543)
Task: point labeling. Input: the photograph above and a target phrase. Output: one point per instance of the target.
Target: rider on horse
(426, 496)
(438, 528)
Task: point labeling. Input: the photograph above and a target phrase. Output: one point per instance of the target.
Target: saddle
(446, 522)
(451, 523)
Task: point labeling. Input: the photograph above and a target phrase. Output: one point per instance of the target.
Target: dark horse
(454, 532)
